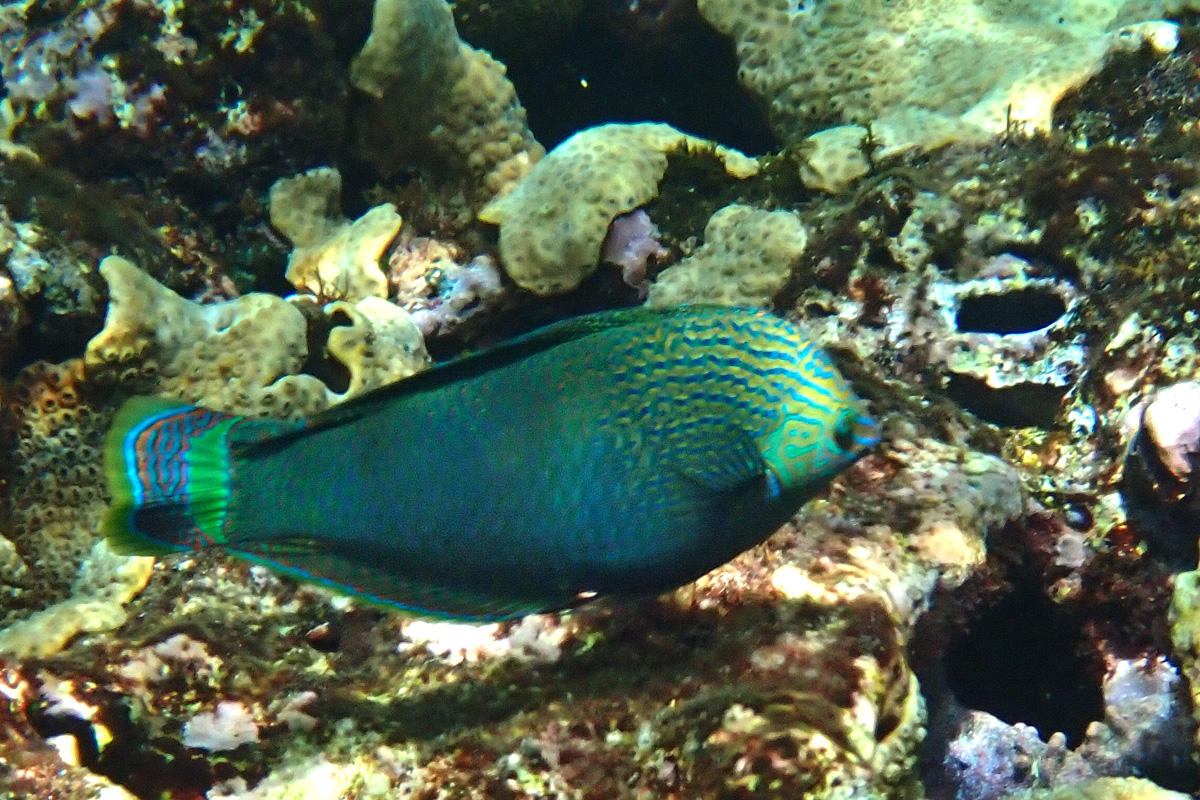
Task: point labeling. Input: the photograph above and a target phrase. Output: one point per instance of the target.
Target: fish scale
(622, 453)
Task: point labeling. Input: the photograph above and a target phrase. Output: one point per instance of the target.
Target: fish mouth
(865, 433)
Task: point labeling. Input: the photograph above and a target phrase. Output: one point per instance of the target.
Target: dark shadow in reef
(629, 62)
(1021, 662)
(1020, 405)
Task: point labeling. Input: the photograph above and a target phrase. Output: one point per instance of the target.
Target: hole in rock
(1021, 662)
(1021, 405)
(48, 725)
(617, 61)
(1019, 311)
(47, 337)
(320, 364)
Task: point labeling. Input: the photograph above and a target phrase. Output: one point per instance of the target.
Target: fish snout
(856, 432)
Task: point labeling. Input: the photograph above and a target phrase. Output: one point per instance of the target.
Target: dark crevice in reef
(1019, 311)
(48, 337)
(1021, 662)
(320, 364)
(1018, 406)
(654, 61)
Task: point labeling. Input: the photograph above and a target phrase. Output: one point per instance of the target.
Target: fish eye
(843, 431)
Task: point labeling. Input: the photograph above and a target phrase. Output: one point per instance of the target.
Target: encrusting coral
(333, 258)
(155, 341)
(923, 73)
(553, 223)
(747, 256)
(53, 422)
(244, 356)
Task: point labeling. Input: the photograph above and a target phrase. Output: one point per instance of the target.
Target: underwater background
(986, 212)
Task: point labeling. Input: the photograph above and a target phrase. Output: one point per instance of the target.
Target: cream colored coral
(334, 258)
(106, 582)
(242, 356)
(747, 256)
(245, 355)
(379, 346)
(553, 223)
(925, 72)
(429, 86)
(834, 158)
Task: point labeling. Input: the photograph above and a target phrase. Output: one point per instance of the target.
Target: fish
(614, 455)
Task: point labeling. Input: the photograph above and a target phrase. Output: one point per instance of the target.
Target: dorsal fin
(480, 363)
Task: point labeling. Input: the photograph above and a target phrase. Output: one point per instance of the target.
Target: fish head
(818, 437)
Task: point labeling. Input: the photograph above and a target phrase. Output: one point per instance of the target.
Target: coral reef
(246, 356)
(632, 244)
(53, 422)
(553, 224)
(990, 603)
(1000, 340)
(1156, 483)
(1185, 631)
(1104, 789)
(1146, 730)
(780, 673)
(832, 159)
(155, 341)
(162, 124)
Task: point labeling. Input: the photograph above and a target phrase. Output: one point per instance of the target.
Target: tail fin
(168, 466)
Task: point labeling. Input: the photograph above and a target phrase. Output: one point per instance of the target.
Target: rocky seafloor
(987, 212)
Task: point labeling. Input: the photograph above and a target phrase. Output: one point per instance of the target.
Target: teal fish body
(623, 453)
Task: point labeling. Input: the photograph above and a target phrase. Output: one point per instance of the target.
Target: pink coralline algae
(632, 243)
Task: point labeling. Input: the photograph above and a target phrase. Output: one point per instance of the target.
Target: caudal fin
(168, 467)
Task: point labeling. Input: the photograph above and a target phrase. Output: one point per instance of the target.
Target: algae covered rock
(553, 224)
(747, 256)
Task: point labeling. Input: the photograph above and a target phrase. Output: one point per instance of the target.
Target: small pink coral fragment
(228, 728)
(631, 242)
